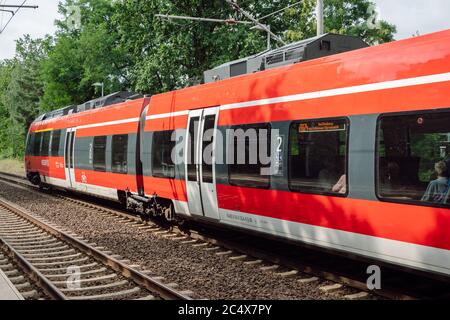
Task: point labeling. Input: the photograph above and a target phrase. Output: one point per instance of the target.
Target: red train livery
(359, 143)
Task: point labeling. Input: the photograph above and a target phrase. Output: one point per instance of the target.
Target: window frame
(203, 165)
(30, 144)
(347, 157)
(37, 138)
(269, 128)
(45, 152)
(172, 177)
(125, 154)
(192, 149)
(51, 154)
(93, 154)
(376, 165)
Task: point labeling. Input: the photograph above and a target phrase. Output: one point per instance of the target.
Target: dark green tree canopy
(122, 44)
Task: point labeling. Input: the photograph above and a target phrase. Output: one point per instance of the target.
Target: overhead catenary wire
(228, 21)
(255, 21)
(281, 10)
(18, 7)
(2, 2)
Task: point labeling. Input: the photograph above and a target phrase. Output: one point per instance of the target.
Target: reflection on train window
(45, 143)
(37, 144)
(318, 156)
(100, 153)
(162, 164)
(119, 153)
(192, 147)
(56, 138)
(30, 144)
(208, 140)
(245, 156)
(414, 158)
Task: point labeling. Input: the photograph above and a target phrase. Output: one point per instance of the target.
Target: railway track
(19, 278)
(66, 267)
(305, 266)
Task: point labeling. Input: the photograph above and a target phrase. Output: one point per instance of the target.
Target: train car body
(354, 141)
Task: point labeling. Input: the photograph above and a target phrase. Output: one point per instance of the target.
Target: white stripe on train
(394, 84)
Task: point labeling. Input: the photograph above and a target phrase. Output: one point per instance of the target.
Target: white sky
(410, 16)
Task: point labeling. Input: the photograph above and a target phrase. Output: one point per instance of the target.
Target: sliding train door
(69, 157)
(199, 160)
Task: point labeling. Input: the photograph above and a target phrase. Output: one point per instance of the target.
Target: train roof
(389, 61)
(111, 99)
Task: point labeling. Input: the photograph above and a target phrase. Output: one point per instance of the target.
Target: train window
(30, 144)
(208, 140)
(37, 144)
(414, 158)
(100, 153)
(56, 138)
(318, 156)
(45, 143)
(245, 157)
(119, 153)
(162, 164)
(192, 146)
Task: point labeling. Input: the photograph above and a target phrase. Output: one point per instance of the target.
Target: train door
(200, 159)
(69, 157)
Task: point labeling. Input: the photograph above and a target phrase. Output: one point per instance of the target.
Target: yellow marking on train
(44, 130)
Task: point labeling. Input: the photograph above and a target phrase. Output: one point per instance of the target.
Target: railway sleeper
(97, 288)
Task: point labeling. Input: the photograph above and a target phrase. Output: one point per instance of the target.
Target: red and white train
(363, 141)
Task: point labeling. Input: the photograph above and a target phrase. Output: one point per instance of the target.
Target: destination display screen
(321, 126)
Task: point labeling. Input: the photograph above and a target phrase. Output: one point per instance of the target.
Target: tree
(6, 68)
(21, 96)
(123, 44)
(171, 55)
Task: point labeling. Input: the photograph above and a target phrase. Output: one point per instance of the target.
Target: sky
(410, 16)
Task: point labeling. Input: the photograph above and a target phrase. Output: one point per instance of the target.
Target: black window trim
(105, 169)
(37, 137)
(376, 166)
(347, 157)
(113, 170)
(59, 143)
(269, 184)
(156, 175)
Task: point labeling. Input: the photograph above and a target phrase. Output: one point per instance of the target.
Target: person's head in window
(441, 169)
(437, 189)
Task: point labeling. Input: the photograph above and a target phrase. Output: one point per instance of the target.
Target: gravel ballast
(209, 276)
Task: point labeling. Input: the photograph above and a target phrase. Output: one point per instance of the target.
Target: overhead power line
(256, 22)
(281, 10)
(227, 21)
(10, 11)
(13, 13)
(17, 6)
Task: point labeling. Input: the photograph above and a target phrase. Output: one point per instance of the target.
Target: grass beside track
(12, 166)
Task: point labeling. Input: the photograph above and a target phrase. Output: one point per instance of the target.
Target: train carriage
(359, 143)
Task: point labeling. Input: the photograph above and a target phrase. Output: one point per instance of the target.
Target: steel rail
(49, 288)
(164, 291)
(238, 246)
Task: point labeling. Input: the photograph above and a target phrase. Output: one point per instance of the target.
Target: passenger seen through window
(412, 154)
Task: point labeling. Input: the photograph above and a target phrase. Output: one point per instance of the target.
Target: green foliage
(20, 93)
(122, 44)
